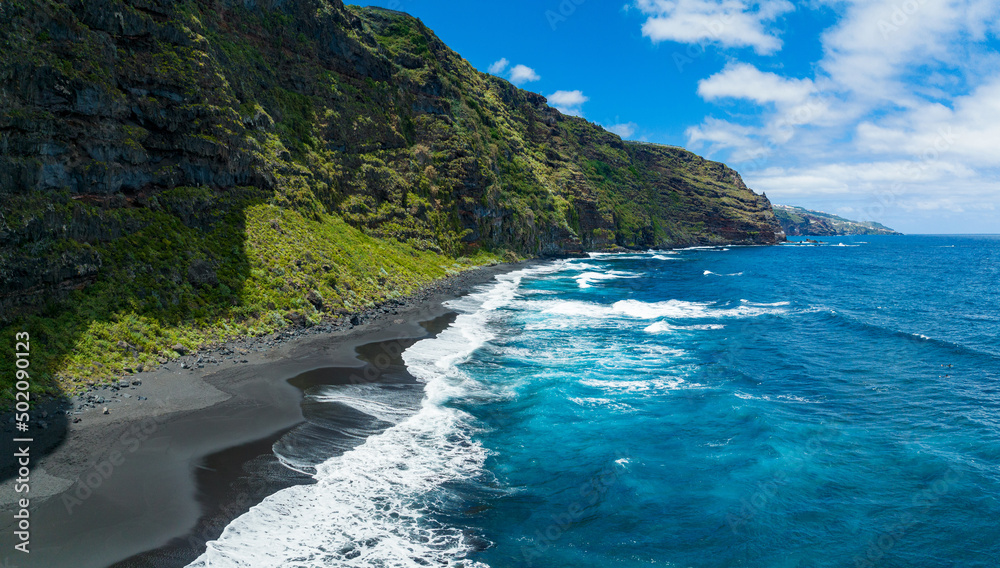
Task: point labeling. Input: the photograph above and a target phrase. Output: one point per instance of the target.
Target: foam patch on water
(646, 255)
(575, 310)
(386, 412)
(779, 398)
(602, 403)
(576, 264)
(712, 248)
(764, 305)
(660, 350)
(631, 386)
(710, 273)
(373, 505)
(662, 327)
(679, 309)
(586, 279)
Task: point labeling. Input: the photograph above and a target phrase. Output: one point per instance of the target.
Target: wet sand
(149, 483)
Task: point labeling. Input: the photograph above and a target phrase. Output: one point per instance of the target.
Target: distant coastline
(801, 222)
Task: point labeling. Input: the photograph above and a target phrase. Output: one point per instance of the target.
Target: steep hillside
(796, 221)
(180, 172)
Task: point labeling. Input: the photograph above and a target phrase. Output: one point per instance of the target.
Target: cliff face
(174, 149)
(796, 221)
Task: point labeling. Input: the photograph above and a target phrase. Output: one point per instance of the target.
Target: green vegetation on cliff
(182, 172)
(796, 221)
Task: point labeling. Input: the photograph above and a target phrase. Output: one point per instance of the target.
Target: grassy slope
(267, 261)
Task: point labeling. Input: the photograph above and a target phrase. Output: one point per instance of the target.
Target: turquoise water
(760, 407)
(791, 406)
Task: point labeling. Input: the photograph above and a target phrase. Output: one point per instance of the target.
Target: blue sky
(885, 110)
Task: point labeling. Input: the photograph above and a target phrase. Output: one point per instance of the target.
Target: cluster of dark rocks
(233, 351)
(99, 396)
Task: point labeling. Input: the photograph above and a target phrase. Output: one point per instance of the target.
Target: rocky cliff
(169, 167)
(796, 221)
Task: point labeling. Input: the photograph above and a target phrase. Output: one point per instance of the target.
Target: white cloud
(743, 81)
(520, 74)
(730, 23)
(568, 102)
(967, 131)
(719, 134)
(901, 115)
(499, 66)
(624, 129)
(907, 195)
(875, 41)
(845, 177)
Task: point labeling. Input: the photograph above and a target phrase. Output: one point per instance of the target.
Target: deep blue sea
(791, 406)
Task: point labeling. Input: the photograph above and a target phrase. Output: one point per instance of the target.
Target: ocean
(795, 406)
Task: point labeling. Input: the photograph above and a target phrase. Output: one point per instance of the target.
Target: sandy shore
(158, 473)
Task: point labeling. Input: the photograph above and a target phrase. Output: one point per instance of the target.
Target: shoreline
(125, 483)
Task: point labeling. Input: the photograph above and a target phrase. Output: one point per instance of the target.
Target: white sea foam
(763, 305)
(635, 309)
(604, 403)
(575, 264)
(779, 398)
(660, 350)
(662, 326)
(586, 279)
(385, 412)
(658, 327)
(627, 386)
(370, 505)
(679, 309)
(710, 273)
(646, 255)
(714, 248)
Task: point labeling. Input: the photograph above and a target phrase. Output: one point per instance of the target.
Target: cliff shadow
(171, 277)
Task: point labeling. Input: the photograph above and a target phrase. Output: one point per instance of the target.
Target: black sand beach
(147, 484)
